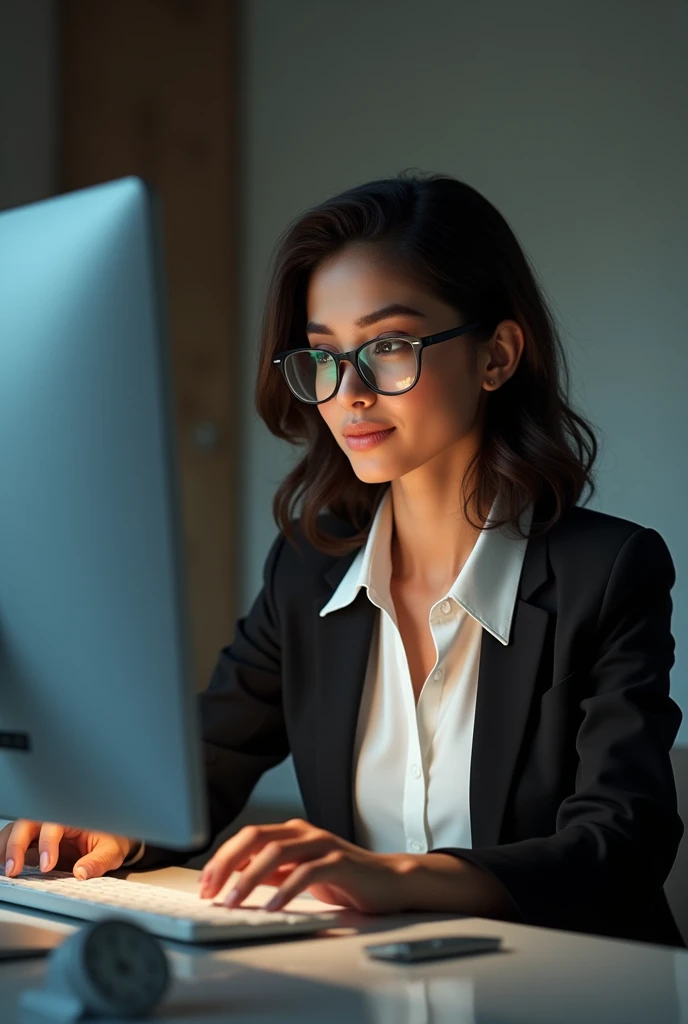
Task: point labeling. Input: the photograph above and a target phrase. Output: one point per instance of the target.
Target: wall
(571, 120)
(28, 101)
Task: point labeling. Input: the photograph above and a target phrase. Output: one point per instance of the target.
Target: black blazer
(572, 796)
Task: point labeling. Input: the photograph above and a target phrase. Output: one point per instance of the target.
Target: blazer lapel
(506, 682)
(341, 657)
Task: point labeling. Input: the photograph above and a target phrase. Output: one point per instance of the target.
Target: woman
(471, 672)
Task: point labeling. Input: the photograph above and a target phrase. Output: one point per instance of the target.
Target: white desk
(542, 976)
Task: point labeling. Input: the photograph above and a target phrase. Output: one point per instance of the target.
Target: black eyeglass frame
(353, 357)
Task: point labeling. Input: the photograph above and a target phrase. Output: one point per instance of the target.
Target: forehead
(355, 282)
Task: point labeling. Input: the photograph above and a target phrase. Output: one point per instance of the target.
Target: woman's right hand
(87, 854)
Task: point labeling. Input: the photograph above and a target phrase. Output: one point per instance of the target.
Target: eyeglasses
(388, 366)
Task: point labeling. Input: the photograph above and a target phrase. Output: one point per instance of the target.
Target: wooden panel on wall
(151, 88)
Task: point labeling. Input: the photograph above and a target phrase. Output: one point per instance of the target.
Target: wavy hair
(447, 238)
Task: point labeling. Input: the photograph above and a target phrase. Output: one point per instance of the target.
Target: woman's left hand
(295, 856)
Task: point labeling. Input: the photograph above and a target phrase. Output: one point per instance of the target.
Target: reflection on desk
(422, 1001)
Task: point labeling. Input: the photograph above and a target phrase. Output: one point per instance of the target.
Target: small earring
(490, 381)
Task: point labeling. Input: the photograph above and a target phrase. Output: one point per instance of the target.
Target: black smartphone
(433, 949)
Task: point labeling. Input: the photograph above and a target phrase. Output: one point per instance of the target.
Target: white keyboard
(165, 912)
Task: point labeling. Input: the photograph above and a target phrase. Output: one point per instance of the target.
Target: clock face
(125, 965)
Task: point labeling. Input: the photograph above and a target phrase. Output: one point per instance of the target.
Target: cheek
(331, 417)
(438, 408)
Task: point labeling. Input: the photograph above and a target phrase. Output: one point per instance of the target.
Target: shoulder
(297, 560)
(589, 541)
(587, 526)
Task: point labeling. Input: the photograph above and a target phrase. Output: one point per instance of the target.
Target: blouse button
(415, 771)
(437, 674)
(446, 607)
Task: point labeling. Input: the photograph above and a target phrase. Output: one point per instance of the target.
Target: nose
(352, 389)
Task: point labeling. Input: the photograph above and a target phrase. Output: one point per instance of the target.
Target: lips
(361, 429)
(363, 442)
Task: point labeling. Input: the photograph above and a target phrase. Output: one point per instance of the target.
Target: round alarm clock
(110, 968)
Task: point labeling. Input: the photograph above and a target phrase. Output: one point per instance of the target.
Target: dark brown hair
(445, 236)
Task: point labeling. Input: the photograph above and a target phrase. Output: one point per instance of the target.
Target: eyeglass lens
(389, 364)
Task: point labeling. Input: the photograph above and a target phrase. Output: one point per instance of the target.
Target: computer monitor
(98, 717)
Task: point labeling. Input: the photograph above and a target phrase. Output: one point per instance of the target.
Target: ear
(503, 352)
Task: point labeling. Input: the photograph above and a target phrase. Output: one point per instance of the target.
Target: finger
(240, 849)
(270, 857)
(294, 826)
(106, 855)
(4, 836)
(278, 875)
(330, 868)
(22, 834)
(49, 845)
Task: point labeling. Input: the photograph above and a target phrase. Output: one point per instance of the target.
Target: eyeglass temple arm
(434, 339)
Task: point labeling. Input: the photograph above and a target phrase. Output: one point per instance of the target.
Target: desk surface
(540, 976)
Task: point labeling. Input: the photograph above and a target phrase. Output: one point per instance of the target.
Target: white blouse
(411, 763)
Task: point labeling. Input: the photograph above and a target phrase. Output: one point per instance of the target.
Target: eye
(388, 346)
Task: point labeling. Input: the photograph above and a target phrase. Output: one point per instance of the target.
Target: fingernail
(273, 903)
(82, 872)
(9, 867)
(232, 898)
(45, 857)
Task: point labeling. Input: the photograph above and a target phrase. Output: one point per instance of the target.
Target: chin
(373, 477)
(370, 473)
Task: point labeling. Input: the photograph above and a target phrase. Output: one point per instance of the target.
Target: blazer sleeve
(242, 726)
(618, 833)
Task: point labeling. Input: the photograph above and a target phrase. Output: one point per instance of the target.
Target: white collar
(486, 586)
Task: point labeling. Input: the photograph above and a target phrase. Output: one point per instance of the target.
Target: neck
(431, 537)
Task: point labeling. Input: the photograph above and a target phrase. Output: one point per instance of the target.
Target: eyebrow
(393, 309)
